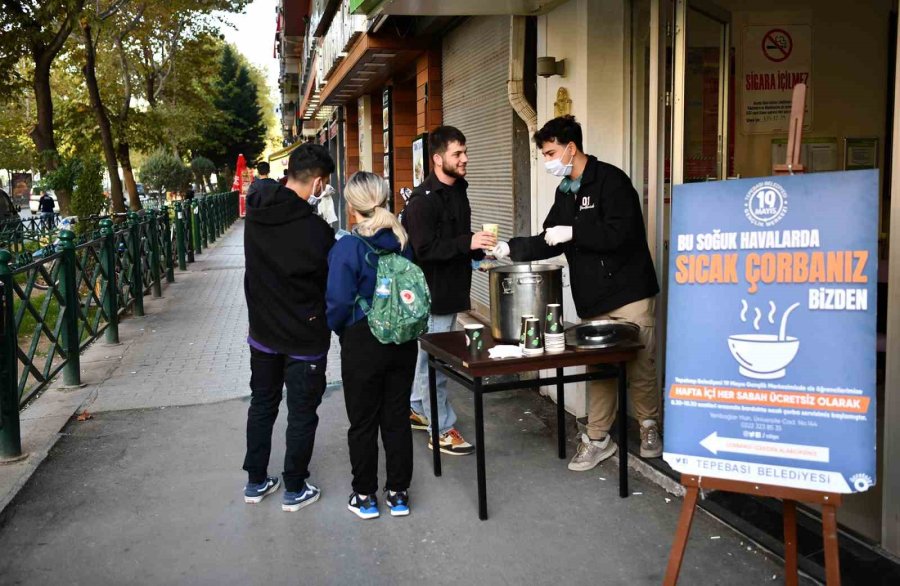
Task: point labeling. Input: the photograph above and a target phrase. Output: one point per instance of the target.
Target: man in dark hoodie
(286, 248)
(262, 180)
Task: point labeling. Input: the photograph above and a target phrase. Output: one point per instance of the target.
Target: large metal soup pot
(521, 289)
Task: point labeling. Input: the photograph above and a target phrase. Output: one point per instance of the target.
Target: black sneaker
(398, 502)
(364, 506)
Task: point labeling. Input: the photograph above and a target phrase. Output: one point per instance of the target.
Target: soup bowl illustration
(763, 356)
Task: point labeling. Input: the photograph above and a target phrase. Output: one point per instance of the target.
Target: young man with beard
(286, 248)
(596, 221)
(438, 219)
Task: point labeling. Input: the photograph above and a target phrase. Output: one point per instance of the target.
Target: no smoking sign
(777, 45)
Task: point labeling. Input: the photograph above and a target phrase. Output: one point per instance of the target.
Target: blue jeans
(420, 401)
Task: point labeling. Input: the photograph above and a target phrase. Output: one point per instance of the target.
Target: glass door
(702, 150)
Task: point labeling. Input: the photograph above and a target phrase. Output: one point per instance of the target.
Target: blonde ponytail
(367, 193)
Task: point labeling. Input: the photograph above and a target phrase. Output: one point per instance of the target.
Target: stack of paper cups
(554, 336)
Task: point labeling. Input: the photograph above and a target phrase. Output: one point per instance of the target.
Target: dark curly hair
(563, 130)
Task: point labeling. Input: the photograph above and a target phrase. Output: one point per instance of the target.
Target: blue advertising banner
(770, 371)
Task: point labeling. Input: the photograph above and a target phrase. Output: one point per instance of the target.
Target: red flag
(238, 173)
(238, 183)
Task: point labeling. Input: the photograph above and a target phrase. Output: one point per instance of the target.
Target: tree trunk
(106, 138)
(124, 153)
(150, 90)
(42, 133)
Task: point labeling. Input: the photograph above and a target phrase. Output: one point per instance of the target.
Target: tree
(172, 54)
(163, 171)
(203, 169)
(238, 127)
(39, 29)
(89, 70)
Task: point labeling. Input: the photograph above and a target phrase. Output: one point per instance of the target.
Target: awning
(455, 8)
(369, 63)
(284, 152)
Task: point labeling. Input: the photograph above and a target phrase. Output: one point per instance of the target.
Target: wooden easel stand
(789, 496)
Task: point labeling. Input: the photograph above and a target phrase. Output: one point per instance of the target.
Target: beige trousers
(643, 392)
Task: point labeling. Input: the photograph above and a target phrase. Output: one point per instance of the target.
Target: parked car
(35, 199)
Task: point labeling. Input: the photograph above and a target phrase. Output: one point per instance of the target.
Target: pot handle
(531, 280)
(506, 285)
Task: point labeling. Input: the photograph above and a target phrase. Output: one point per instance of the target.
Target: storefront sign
(770, 371)
(775, 58)
(420, 158)
(21, 186)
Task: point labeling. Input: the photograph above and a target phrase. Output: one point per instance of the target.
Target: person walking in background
(46, 207)
(286, 250)
(596, 221)
(262, 179)
(438, 219)
(377, 377)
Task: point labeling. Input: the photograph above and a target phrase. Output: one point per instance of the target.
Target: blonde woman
(377, 377)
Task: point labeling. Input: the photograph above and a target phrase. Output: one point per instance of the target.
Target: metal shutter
(475, 67)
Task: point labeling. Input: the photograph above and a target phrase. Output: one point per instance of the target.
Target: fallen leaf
(84, 416)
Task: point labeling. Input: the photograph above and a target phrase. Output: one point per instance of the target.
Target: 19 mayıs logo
(766, 204)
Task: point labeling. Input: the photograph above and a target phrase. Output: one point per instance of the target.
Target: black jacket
(256, 187)
(609, 260)
(438, 219)
(286, 249)
(46, 204)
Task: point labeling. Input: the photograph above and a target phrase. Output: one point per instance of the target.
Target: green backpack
(401, 303)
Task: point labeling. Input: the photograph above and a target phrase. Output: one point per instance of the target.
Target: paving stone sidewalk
(191, 346)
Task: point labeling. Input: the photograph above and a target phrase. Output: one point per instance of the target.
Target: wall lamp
(549, 66)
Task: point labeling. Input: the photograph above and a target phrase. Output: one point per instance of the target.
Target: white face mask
(557, 168)
(315, 199)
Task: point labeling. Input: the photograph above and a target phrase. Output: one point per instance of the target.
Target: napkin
(505, 351)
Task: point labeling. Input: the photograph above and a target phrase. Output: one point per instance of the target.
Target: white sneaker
(591, 452)
(651, 440)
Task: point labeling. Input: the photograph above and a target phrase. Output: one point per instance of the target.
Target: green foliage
(238, 126)
(203, 168)
(83, 178)
(16, 148)
(26, 25)
(65, 175)
(159, 67)
(163, 171)
(88, 198)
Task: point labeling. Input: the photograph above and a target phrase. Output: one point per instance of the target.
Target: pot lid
(602, 333)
